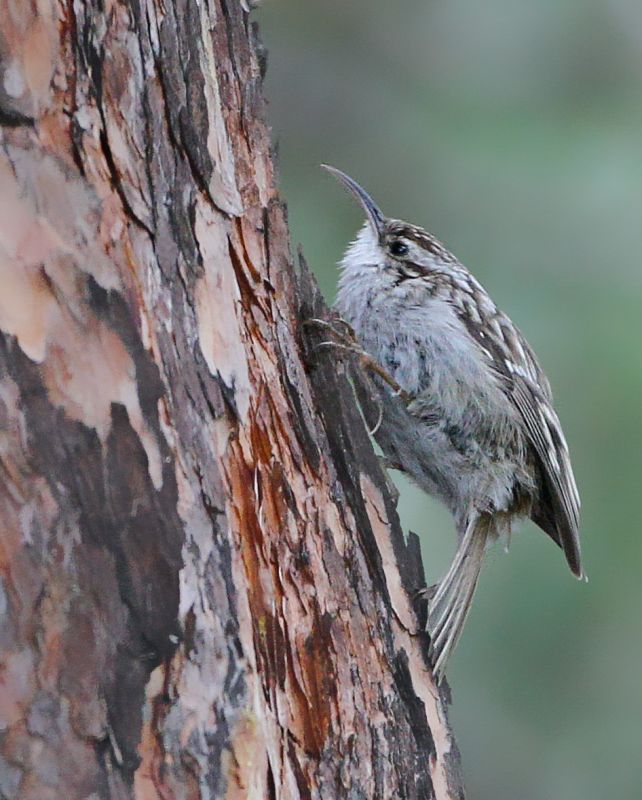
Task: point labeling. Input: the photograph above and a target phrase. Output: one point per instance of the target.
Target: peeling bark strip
(204, 587)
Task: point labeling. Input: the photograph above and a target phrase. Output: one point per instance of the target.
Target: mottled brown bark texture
(204, 591)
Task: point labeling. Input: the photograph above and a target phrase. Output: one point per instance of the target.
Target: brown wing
(557, 509)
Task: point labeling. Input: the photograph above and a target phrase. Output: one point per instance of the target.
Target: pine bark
(205, 590)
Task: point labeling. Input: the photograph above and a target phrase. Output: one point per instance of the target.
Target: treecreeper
(465, 408)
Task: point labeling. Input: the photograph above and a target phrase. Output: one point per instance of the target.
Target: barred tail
(449, 607)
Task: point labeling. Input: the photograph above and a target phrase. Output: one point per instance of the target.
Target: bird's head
(391, 245)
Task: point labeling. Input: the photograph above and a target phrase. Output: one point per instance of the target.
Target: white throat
(362, 256)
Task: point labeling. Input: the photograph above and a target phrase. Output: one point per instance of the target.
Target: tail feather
(449, 607)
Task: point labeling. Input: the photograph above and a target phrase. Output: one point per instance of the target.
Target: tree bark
(204, 587)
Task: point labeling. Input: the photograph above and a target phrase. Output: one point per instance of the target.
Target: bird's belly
(459, 439)
(451, 462)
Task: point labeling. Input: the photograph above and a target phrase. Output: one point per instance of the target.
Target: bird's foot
(341, 331)
(390, 463)
(427, 593)
(387, 463)
(346, 342)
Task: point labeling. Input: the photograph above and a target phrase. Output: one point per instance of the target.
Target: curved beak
(373, 212)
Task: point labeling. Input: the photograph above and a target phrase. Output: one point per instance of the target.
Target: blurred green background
(513, 131)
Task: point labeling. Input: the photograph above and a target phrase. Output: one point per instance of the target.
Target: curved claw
(347, 336)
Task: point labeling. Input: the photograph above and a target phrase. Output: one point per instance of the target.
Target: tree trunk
(204, 586)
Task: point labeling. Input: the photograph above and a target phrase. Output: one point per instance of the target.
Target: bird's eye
(398, 247)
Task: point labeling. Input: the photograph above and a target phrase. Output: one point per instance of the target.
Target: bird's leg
(427, 593)
(348, 343)
(390, 463)
(346, 336)
(387, 463)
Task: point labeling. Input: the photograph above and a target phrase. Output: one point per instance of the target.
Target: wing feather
(557, 510)
(545, 434)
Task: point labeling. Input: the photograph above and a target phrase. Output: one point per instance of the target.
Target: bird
(466, 410)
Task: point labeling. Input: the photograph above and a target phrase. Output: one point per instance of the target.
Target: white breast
(419, 338)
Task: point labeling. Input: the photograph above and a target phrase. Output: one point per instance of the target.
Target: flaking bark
(205, 589)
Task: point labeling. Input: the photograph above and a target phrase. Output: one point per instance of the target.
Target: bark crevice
(207, 590)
